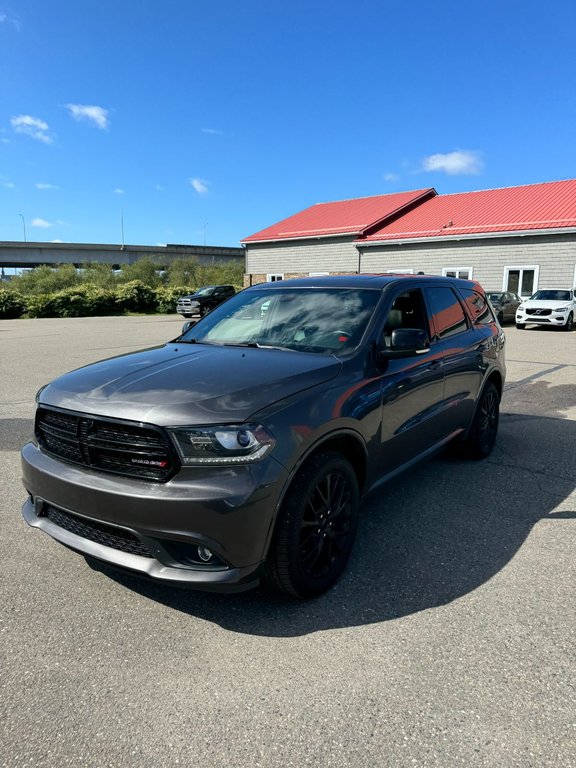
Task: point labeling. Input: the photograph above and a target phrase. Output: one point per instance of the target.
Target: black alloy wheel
(316, 528)
(482, 436)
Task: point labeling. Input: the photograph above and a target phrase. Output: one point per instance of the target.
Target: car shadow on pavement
(428, 538)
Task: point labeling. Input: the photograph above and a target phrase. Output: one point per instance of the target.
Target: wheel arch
(348, 444)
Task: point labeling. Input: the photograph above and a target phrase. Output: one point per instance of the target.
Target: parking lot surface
(450, 640)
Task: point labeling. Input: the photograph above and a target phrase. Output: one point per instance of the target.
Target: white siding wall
(554, 254)
(321, 255)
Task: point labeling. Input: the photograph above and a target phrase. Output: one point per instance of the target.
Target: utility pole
(23, 225)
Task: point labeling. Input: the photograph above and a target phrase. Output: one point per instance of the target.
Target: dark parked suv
(204, 300)
(239, 451)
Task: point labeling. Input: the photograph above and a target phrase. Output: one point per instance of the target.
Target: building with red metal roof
(514, 238)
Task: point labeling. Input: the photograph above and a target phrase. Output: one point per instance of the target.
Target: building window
(464, 273)
(318, 274)
(274, 278)
(522, 279)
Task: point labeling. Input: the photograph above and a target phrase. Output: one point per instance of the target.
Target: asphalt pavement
(450, 641)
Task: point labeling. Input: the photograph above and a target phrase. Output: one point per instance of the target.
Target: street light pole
(23, 225)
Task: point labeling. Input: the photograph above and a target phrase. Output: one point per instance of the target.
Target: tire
(501, 318)
(520, 326)
(482, 436)
(569, 324)
(316, 528)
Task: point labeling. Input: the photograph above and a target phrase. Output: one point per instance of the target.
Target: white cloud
(40, 185)
(118, 191)
(42, 223)
(159, 188)
(391, 177)
(31, 126)
(213, 131)
(89, 113)
(199, 185)
(57, 240)
(459, 162)
(5, 19)
(6, 183)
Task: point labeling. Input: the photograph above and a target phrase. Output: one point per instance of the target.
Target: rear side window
(447, 313)
(478, 306)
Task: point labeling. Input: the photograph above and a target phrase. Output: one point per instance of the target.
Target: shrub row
(89, 300)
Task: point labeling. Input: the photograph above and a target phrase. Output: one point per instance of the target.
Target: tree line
(97, 289)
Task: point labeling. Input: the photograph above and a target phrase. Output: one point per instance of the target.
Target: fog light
(204, 554)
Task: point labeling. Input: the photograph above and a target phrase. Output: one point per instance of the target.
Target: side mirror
(187, 324)
(406, 342)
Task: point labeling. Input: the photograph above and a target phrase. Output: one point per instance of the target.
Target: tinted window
(407, 311)
(478, 307)
(447, 312)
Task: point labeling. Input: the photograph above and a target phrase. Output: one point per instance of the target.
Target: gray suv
(239, 452)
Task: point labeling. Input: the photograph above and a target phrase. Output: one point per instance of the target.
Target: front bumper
(230, 510)
(555, 319)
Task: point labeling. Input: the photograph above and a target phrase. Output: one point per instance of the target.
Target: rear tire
(316, 528)
(482, 436)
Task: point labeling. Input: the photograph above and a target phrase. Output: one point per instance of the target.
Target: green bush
(12, 304)
(167, 298)
(135, 297)
(81, 301)
(43, 280)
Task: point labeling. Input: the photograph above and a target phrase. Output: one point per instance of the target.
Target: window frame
(274, 277)
(456, 270)
(521, 268)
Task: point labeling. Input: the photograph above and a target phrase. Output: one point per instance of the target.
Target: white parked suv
(552, 306)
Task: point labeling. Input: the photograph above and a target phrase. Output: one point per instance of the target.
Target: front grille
(101, 533)
(539, 312)
(121, 447)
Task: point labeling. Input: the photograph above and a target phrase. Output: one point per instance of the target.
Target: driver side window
(407, 311)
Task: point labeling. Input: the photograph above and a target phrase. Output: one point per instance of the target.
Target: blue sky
(199, 121)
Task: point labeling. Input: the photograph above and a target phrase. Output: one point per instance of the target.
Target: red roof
(344, 217)
(533, 207)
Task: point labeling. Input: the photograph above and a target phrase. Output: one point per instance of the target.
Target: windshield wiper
(254, 345)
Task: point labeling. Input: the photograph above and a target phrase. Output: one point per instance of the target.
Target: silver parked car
(505, 304)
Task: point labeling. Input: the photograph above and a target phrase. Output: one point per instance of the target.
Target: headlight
(520, 308)
(221, 445)
(562, 309)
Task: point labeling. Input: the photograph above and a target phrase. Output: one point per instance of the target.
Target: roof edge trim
(474, 236)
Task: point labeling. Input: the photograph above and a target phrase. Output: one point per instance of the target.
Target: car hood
(545, 304)
(179, 384)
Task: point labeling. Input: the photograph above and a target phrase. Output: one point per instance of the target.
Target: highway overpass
(21, 254)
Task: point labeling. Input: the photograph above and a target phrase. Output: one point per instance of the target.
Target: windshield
(321, 320)
(206, 291)
(551, 296)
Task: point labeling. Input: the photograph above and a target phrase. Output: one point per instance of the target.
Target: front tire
(520, 326)
(482, 436)
(316, 528)
(569, 324)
